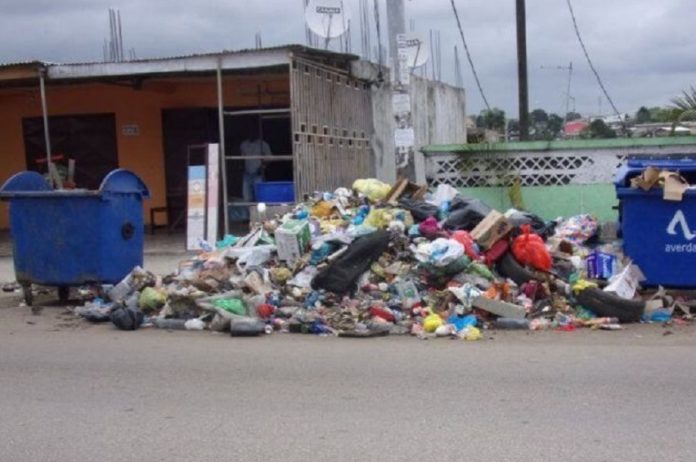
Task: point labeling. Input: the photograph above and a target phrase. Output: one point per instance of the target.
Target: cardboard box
(292, 240)
(675, 186)
(601, 265)
(492, 229)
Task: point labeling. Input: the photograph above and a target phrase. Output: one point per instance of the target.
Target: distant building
(575, 128)
(663, 129)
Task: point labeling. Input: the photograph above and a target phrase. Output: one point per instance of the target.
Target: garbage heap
(391, 260)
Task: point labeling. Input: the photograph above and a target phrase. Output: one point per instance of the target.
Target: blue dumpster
(69, 238)
(659, 235)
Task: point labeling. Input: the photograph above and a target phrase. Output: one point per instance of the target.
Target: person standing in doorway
(253, 147)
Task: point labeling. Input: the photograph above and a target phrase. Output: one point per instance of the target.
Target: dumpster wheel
(28, 294)
(63, 294)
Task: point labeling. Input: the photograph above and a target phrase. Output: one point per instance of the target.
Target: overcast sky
(644, 49)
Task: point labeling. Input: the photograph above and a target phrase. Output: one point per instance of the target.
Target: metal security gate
(332, 127)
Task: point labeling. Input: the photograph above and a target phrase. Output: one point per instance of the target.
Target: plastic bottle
(512, 324)
(194, 324)
(121, 290)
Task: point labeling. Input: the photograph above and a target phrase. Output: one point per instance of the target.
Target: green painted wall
(551, 202)
(561, 145)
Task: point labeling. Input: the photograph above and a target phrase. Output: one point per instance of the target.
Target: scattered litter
(383, 260)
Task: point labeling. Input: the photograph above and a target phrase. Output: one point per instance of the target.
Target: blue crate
(275, 192)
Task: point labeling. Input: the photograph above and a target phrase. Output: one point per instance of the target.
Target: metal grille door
(332, 128)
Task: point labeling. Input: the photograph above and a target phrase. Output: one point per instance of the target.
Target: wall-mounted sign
(130, 130)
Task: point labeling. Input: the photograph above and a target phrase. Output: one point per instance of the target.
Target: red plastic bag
(529, 249)
(465, 239)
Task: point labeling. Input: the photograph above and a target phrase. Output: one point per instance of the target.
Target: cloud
(642, 48)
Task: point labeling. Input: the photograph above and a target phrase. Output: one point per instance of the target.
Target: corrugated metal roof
(289, 47)
(191, 63)
(21, 64)
(293, 47)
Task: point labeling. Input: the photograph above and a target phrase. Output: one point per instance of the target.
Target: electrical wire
(468, 56)
(589, 61)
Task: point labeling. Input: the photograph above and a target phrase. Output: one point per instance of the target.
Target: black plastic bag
(420, 210)
(465, 214)
(341, 276)
(538, 225)
(126, 318)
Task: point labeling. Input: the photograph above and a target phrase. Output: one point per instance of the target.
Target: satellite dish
(415, 49)
(327, 18)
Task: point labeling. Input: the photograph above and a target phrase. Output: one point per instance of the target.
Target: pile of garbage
(392, 260)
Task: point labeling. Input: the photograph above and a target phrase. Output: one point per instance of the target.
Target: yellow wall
(142, 154)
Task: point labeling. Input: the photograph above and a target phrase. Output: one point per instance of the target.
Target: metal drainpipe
(223, 152)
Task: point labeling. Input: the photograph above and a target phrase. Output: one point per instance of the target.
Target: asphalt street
(72, 391)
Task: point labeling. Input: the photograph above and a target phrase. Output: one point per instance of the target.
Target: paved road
(77, 392)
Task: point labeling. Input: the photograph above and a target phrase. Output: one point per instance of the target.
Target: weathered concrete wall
(383, 138)
(438, 116)
(439, 112)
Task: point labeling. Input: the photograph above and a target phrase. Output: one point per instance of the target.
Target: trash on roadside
(383, 260)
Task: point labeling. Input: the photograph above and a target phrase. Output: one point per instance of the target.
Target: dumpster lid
(24, 181)
(32, 184)
(124, 181)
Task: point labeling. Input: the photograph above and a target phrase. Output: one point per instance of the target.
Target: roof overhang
(19, 74)
(184, 65)
(252, 61)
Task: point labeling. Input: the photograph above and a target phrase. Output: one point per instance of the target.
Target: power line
(589, 61)
(468, 56)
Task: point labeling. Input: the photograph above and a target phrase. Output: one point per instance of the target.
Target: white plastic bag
(441, 252)
(250, 256)
(625, 284)
(443, 193)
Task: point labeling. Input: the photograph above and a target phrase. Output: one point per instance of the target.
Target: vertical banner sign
(195, 212)
(203, 200)
(213, 193)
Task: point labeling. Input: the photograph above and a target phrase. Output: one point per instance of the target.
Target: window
(89, 139)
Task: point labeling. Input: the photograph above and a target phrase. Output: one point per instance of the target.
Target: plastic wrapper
(578, 229)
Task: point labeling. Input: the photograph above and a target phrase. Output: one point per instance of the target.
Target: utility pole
(396, 17)
(523, 87)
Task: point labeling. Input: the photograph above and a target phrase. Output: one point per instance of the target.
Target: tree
(553, 127)
(573, 116)
(598, 129)
(538, 117)
(659, 114)
(514, 126)
(493, 119)
(643, 115)
(684, 106)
